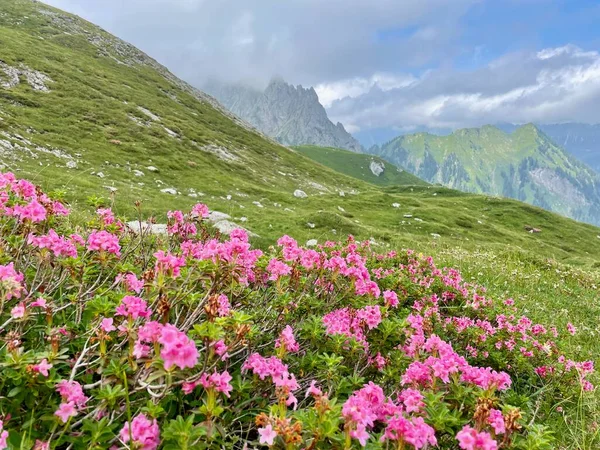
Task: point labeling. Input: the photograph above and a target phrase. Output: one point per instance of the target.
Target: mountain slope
(291, 115)
(524, 165)
(371, 169)
(87, 115)
(582, 140)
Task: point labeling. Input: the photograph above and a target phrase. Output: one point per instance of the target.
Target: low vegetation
(191, 340)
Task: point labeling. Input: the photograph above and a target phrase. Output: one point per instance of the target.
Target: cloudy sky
(382, 64)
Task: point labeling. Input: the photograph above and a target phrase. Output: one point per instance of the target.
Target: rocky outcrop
(291, 115)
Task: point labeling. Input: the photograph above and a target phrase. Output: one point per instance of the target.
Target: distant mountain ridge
(292, 115)
(582, 140)
(525, 164)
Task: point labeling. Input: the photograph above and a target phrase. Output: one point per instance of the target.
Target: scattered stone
(288, 210)
(100, 175)
(416, 219)
(37, 80)
(377, 168)
(217, 216)
(138, 173)
(115, 141)
(71, 165)
(193, 195)
(171, 132)
(243, 219)
(152, 169)
(480, 222)
(111, 188)
(300, 194)
(226, 227)
(152, 116)
(341, 209)
(435, 235)
(342, 194)
(228, 197)
(310, 225)
(145, 227)
(171, 191)
(407, 216)
(396, 205)
(258, 204)
(532, 229)
(311, 243)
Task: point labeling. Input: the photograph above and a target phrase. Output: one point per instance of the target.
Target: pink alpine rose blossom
(145, 433)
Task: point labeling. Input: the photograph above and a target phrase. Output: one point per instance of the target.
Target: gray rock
(138, 173)
(71, 165)
(377, 168)
(152, 169)
(171, 191)
(217, 216)
(145, 227)
(300, 194)
(311, 243)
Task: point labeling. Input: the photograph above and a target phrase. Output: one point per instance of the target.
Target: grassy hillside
(358, 165)
(524, 165)
(117, 125)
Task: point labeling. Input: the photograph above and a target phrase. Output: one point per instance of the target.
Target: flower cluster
(199, 339)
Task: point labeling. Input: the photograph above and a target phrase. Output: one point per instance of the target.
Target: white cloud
(552, 85)
(304, 41)
(355, 87)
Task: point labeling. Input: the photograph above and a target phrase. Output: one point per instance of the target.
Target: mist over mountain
(290, 114)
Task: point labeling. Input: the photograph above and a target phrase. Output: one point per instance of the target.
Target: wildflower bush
(112, 339)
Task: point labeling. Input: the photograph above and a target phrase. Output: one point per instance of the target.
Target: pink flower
(140, 350)
(71, 392)
(33, 211)
(496, 420)
(150, 331)
(58, 245)
(10, 282)
(178, 350)
(313, 390)
(18, 311)
(267, 435)
(200, 210)
(133, 307)
(469, 439)
(218, 382)
(41, 445)
(42, 367)
(104, 241)
(106, 325)
(66, 411)
(277, 269)
(224, 306)
(3, 436)
(221, 349)
(371, 315)
(412, 399)
(106, 215)
(391, 298)
(571, 329)
(39, 303)
(144, 433)
(169, 264)
(286, 338)
(132, 283)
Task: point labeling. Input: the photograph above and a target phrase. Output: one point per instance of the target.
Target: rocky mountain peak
(291, 114)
